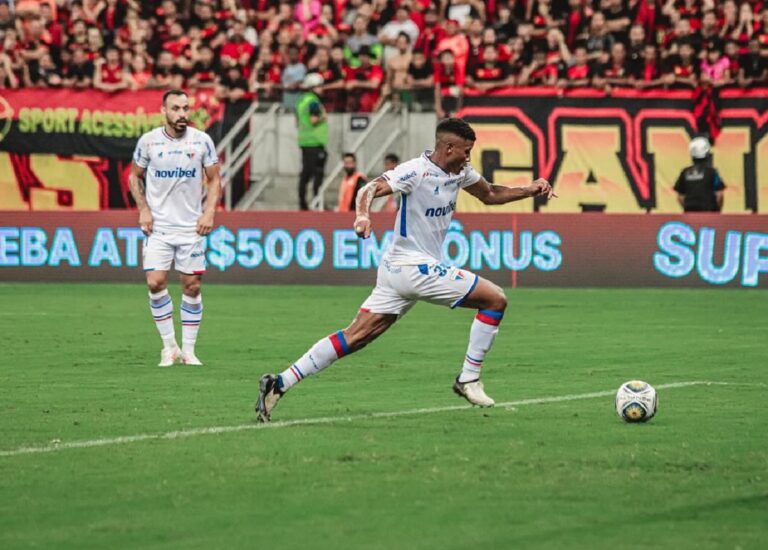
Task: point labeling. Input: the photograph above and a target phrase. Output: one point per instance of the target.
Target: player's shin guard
(161, 305)
(484, 329)
(319, 356)
(191, 315)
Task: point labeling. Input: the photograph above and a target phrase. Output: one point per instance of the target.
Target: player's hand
(542, 188)
(363, 227)
(205, 224)
(145, 221)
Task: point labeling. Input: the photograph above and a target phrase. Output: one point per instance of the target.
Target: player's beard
(180, 126)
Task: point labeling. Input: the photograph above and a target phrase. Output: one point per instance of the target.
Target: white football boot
(189, 358)
(473, 392)
(169, 356)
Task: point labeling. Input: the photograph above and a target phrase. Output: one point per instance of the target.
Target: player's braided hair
(457, 127)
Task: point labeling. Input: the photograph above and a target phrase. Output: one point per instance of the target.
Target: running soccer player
(411, 271)
(171, 161)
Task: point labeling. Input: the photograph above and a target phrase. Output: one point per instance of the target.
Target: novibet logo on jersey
(177, 172)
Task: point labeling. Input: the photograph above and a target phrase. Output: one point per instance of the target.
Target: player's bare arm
(213, 176)
(372, 190)
(136, 184)
(489, 193)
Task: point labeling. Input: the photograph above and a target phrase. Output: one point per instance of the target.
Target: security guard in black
(700, 188)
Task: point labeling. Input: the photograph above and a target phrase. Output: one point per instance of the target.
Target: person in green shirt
(313, 136)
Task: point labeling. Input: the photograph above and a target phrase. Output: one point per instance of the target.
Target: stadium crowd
(426, 53)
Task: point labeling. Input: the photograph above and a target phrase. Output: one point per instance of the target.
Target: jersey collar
(169, 136)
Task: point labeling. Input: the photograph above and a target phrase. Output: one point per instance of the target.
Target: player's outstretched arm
(489, 193)
(373, 189)
(205, 223)
(136, 184)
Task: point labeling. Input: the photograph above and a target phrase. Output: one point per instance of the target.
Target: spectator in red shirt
(579, 73)
(363, 83)
(333, 88)
(139, 73)
(615, 72)
(491, 74)
(457, 43)
(449, 85)
(432, 33)
(648, 73)
(265, 77)
(236, 50)
(109, 74)
(539, 72)
(683, 70)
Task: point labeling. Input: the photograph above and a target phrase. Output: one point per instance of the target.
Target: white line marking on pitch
(323, 420)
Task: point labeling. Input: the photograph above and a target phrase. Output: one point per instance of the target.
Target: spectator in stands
(313, 136)
(7, 19)
(648, 74)
(79, 73)
(360, 38)
(166, 74)
(292, 76)
(205, 68)
(46, 74)
(600, 40)
(233, 86)
(333, 89)
(699, 187)
(635, 47)
(139, 73)
(505, 24)
(458, 45)
(363, 83)
(397, 70)
(401, 24)
(431, 34)
(539, 72)
(236, 50)
(490, 74)
(715, 69)
(449, 85)
(617, 20)
(683, 71)
(109, 73)
(579, 72)
(8, 79)
(265, 77)
(420, 81)
(753, 67)
(352, 180)
(615, 72)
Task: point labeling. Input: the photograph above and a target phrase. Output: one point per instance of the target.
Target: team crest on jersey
(191, 155)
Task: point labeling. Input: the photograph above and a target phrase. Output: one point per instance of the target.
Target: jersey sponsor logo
(177, 172)
(454, 181)
(407, 177)
(442, 211)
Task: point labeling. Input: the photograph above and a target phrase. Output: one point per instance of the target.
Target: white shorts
(399, 287)
(185, 250)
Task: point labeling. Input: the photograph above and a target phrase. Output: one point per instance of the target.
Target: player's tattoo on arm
(136, 185)
(373, 189)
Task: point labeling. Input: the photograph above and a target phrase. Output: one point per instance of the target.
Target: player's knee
(499, 301)
(156, 285)
(192, 289)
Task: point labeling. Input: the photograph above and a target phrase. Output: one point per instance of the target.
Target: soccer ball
(636, 401)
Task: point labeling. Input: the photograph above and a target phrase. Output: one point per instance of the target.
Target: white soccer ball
(636, 401)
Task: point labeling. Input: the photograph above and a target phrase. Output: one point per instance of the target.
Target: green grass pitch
(78, 364)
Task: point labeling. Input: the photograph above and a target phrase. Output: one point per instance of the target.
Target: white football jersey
(427, 204)
(174, 176)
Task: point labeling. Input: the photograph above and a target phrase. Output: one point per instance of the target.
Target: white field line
(181, 434)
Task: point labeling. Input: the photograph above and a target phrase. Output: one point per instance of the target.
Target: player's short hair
(457, 127)
(349, 155)
(169, 93)
(391, 157)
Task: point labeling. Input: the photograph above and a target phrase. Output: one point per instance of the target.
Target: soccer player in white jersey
(411, 270)
(167, 184)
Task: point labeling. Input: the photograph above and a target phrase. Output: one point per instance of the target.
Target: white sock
(319, 356)
(484, 329)
(161, 306)
(191, 315)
